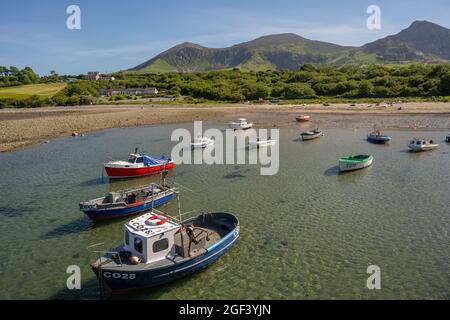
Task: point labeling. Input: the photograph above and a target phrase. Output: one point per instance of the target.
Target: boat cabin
(135, 158)
(151, 237)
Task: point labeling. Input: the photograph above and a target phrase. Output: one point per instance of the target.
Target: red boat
(137, 166)
(302, 118)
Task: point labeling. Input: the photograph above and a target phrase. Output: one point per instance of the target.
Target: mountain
(422, 41)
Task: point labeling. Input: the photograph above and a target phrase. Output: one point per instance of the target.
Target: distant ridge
(422, 41)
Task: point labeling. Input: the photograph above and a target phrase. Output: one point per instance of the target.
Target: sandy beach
(24, 127)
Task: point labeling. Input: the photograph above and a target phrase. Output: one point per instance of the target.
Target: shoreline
(21, 128)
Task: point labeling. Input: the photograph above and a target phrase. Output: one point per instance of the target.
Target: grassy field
(42, 90)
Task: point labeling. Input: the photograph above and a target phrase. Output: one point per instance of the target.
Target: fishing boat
(349, 163)
(201, 143)
(128, 202)
(240, 124)
(159, 248)
(417, 144)
(313, 134)
(303, 118)
(261, 143)
(138, 165)
(377, 137)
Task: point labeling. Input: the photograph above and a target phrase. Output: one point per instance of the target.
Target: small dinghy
(159, 248)
(261, 143)
(128, 202)
(138, 165)
(201, 143)
(377, 137)
(417, 145)
(349, 163)
(240, 124)
(303, 118)
(313, 134)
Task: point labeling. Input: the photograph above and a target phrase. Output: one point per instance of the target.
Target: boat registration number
(118, 275)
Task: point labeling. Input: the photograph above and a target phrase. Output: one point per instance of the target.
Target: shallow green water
(306, 233)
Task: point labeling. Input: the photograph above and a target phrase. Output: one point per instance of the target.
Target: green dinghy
(348, 163)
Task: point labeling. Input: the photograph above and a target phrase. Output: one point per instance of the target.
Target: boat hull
(107, 214)
(416, 148)
(300, 119)
(311, 136)
(240, 127)
(125, 281)
(122, 172)
(346, 166)
(378, 139)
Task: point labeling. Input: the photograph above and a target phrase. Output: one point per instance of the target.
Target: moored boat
(261, 143)
(349, 163)
(313, 134)
(447, 138)
(201, 143)
(240, 124)
(377, 137)
(417, 144)
(128, 202)
(138, 165)
(303, 118)
(159, 248)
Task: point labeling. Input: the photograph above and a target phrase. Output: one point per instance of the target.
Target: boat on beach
(350, 163)
(417, 145)
(261, 143)
(128, 202)
(377, 137)
(159, 248)
(313, 134)
(303, 118)
(240, 124)
(138, 165)
(201, 143)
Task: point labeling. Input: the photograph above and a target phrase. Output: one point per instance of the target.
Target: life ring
(157, 220)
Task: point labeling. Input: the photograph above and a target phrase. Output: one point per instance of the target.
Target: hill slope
(422, 41)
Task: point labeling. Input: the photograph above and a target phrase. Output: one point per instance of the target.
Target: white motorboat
(417, 144)
(240, 124)
(313, 134)
(201, 143)
(261, 143)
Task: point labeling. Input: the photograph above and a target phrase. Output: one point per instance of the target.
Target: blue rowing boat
(128, 202)
(158, 249)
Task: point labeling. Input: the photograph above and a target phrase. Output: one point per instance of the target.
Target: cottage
(93, 76)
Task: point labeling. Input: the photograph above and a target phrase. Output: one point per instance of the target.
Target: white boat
(313, 134)
(201, 143)
(261, 143)
(417, 144)
(240, 124)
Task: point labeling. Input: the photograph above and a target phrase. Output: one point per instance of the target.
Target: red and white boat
(137, 166)
(303, 118)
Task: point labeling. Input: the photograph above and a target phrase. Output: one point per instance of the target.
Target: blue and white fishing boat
(127, 202)
(159, 248)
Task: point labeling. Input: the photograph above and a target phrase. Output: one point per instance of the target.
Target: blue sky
(117, 35)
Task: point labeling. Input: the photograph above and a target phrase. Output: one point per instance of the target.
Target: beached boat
(261, 143)
(377, 137)
(240, 124)
(138, 165)
(313, 134)
(128, 202)
(201, 143)
(349, 163)
(159, 248)
(303, 118)
(417, 144)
